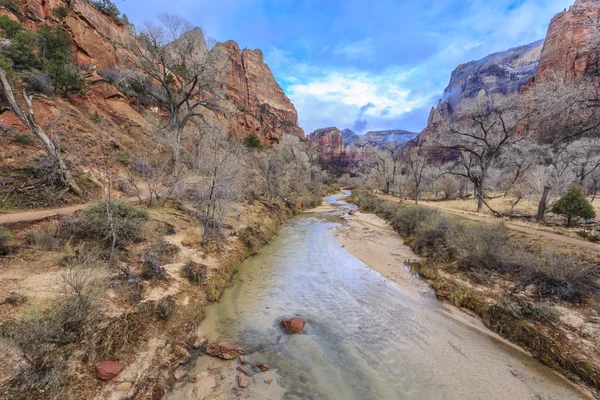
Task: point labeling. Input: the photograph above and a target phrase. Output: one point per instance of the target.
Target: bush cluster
(485, 249)
(93, 224)
(42, 58)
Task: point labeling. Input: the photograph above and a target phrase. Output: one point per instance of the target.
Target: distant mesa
(346, 150)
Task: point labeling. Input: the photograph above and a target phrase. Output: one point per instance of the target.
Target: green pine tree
(574, 205)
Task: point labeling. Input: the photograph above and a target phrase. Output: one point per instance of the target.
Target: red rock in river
(108, 370)
(263, 367)
(224, 351)
(242, 381)
(294, 325)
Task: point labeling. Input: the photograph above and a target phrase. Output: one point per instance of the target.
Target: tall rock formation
(261, 106)
(572, 45)
(328, 142)
(499, 74)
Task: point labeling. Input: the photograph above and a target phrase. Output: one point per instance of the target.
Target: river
(365, 338)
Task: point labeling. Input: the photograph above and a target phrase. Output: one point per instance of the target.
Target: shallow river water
(364, 338)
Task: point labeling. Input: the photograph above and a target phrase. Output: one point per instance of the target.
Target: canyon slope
(249, 100)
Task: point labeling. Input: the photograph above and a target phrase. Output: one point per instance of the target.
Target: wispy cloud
(361, 49)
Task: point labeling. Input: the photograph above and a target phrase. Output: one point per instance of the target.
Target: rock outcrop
(260, 105)
(572, 43)
(497, 75)
(328, 142)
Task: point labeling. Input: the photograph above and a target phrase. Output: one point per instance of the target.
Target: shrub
(252, 141)
(44, 238)
(310, 201)
(523, 309)
(4, 241)
(23, 139)
(38, 81)
(562, 277)
(21, 51)
(165, 308)
(483, 247)
(194, 272)
(574, 205)
(60, 12)
(94, 224)
(96, 119)
(152, 270)
(13, 6)
(8, 27)
(41, 335)
(162, 250)
(431, 237)
(408, 218)
(48, 171)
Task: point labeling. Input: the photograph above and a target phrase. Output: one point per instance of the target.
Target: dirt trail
(37, 215)
(530, 231)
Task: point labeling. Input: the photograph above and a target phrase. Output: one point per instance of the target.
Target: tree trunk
(481, 194)
(29, 121)
(542, 206)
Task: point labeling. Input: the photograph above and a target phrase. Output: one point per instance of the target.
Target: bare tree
(175, 54)
(386, 167)
(216, 169)
(29, 120)
(269, 166)
(417, 166)
(565, 109)
(479, 138)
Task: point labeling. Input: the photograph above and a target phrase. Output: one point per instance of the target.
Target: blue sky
(363, 64)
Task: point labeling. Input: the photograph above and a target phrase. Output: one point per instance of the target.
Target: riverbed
(368, 335)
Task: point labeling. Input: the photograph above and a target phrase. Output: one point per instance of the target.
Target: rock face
(500, 73)
(293, 325)
(348, 151)
(349, 137)
(328, 143)
(572, 43)
(260, 105)
(497, 75)
(225, 351)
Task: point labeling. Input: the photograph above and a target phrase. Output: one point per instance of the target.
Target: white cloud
(362, 49)
(339, 98)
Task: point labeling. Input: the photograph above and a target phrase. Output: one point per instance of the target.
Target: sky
(363, 64)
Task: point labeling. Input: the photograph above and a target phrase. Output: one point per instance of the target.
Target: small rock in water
(200, 341)
(263, 367)
(245, 370)
(242, 360)
(180, 373)
(294, 325)
(225, 351)
(268, 381)
(242, 381)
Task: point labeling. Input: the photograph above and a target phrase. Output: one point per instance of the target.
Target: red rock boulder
(224, 351)
(294, 325)
(108, 370)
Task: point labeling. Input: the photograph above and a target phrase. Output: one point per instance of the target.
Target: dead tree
(175, 55)
(28, 119)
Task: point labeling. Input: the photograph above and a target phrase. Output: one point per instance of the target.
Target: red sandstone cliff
(253, 102)
(572, 43)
